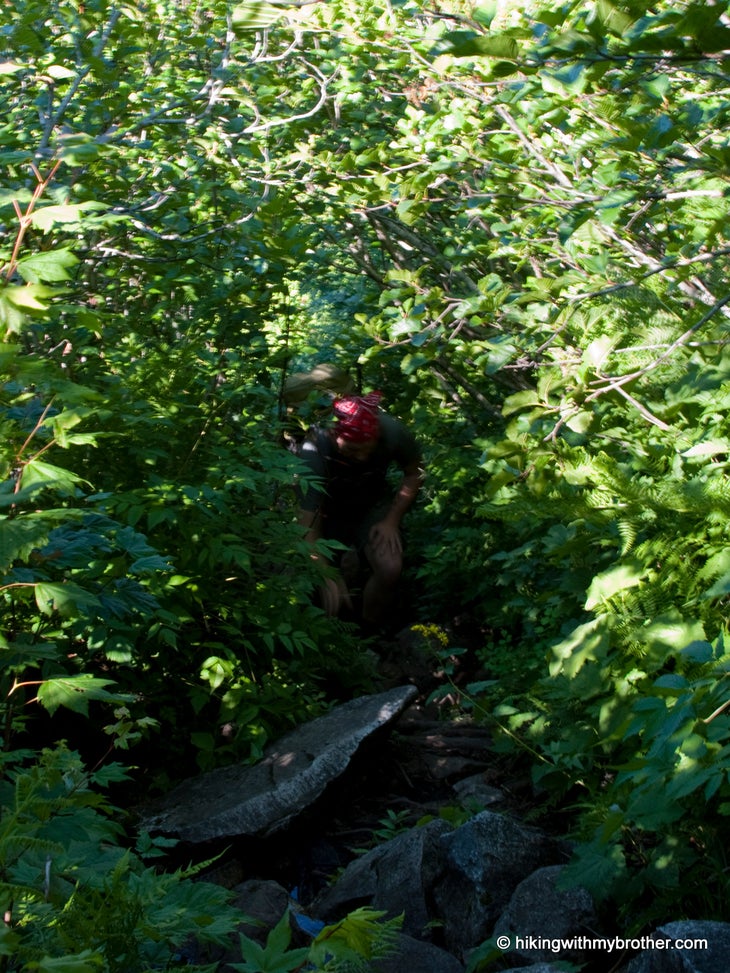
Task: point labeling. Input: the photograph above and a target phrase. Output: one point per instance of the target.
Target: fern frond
(627, 532)
(352, 945)
(17, 892)
(14, 845)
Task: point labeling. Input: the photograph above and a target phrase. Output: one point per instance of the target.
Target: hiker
(353, 504)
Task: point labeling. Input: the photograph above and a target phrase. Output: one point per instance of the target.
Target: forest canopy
(512, 219)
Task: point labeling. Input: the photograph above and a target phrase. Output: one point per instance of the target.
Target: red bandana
(357, 417)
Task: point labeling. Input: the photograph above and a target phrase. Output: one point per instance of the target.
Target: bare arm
(333, 590)
(385, 535)
(311, 520)
(407, 493)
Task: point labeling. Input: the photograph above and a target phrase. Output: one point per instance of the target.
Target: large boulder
(484, 862)
(705, 949)
(540, 916)
(397, 877)
(260, 800)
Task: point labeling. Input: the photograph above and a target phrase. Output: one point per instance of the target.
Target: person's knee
(387, 568)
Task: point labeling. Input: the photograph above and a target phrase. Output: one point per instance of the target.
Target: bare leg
(379, 592)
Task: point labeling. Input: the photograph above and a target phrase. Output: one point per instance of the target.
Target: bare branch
(532, 149)
(682, 340)
(55, 118)
(323, 82)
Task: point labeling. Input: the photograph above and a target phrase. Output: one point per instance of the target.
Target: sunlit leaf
(37, 473)
(46, 217)
(709, 447)
(587, 642)
(615, 579)
(256, 14)
(49, 265)
(76, 692)
(465, 43)
(67, 598)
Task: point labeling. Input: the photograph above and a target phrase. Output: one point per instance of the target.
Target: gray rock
(476, 790)
(539, 914)
(397, 877)
(264, 902)
(485, 860)
(260, 800)
(415, 956)
(712, 958)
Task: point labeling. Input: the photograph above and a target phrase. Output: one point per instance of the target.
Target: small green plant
(349, 946)
(454, 814)
(393, 824)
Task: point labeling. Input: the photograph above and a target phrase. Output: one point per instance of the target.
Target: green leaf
(466, 43)
(671, 684)
(115, 773)
(32, 297)
(699, 651)
(67, 598)
(76, 692)
(17, 302)
(20, 536)
(710, 447)
(18, 656)
(644, 809)
(720, 588)
(571, 79)
(587, 642)
(275, 957)
(598, 867)
(149, 564)
(598, 350)
(617, 19)
(519, 401)
(46, 217)
(354, 937)
(87, 961)
(618, 578)
(279, 938)
(485, 13)
(669, 632)
(580, 422)
(9, 940)
(50, 265)
(59, 73)
(256, 14)
(503, 69)
(37, 474)
(717, 564)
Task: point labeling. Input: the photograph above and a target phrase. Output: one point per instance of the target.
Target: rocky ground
(398, 801)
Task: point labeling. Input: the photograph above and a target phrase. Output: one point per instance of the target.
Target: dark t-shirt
(350, 490)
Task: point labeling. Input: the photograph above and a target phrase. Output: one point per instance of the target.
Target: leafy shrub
(75, 897)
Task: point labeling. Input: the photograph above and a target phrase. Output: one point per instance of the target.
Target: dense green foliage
(514, 222)
(80, 900)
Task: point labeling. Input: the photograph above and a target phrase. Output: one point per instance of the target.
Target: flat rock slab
(261, 799)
